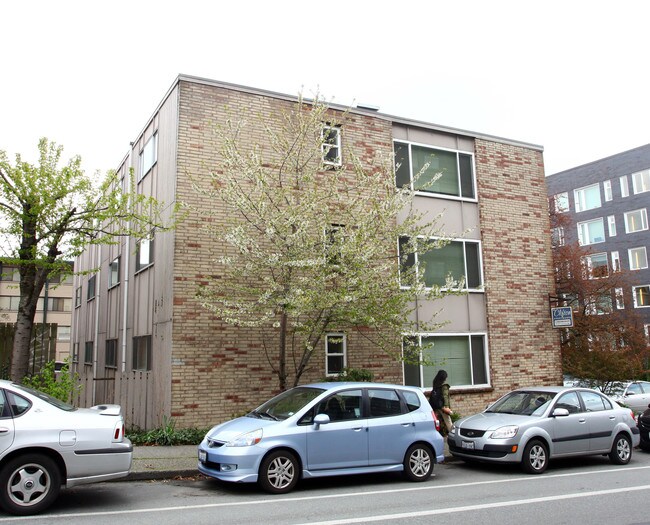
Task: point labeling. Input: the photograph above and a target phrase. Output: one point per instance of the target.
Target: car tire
(418, 462)
(535, 457)
(621, 452)
(29, 484)
(279, 472)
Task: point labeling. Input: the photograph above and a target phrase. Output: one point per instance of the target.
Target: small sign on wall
(562, 317)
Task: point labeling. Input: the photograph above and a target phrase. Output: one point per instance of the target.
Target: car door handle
(583, 420)
(4, 430)
(405, 425)
(357, 429)
(612, 418)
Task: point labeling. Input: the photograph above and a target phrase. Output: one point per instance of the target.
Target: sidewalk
(161, 462)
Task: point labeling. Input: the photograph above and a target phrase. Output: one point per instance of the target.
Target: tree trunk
(282, 357)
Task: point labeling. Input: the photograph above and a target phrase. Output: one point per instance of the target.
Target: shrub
(352, 374)
(167, 435)
(62, 385)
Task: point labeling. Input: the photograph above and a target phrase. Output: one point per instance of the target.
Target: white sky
(570, 75)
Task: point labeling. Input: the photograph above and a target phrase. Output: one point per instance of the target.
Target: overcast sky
(570, 75)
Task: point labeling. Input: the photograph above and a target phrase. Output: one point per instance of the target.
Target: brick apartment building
(142, 340)
(607, 200)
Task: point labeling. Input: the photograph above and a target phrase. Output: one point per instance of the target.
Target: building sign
(562, 317)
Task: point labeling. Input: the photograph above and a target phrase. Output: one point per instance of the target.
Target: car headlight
(505, 432)
(246, 440)
(453, 429)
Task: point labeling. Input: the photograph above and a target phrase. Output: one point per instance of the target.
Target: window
(384, 403)
(646, 331)
(436, 171)
(641, 181)
(636, 221)
(557, 236)
(587, 198)
(88, 353)
(90, 293)
(561, 202)
(598, 304)
(343, 406)
(144, 253)
(457, 259)
(591, 232)
(594, 402)
(638, 258)
(464, 357)
(596, 265)
(611, 225)
(616, 262)
(148, 156)
(62, 333)
(9, 302)
(625, 191)
(335, 353)
(114, 272)
(77, 297)
(607, 188)
(111, 353)
(75, 352)
(9, 273)
(55, 304)
(641, 296)
(570, 402)
(620, 299)
(142, 353)
(331, 145)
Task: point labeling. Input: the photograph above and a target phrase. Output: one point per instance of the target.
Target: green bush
(352, 374)
(63, 385)
(167, 435)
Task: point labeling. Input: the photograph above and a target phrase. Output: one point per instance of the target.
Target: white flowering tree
(313, 248)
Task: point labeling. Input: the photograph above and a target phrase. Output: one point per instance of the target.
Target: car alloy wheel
(279, 472)
(535, 458)
(621, 452)
(418, 463)
(29, 485)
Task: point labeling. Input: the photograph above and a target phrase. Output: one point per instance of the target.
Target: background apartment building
(141, 339)
(607, 201)
(54, 311)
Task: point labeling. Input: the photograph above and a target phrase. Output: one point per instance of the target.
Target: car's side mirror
(560, 412)
(321, 419)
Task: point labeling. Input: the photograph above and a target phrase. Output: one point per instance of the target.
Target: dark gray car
(532, 425)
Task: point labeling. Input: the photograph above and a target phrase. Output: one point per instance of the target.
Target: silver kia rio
(530, 426)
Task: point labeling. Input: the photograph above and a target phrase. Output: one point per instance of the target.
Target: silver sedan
(46, 444)
(532, 425)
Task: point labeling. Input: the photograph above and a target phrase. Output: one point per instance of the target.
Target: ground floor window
(142, 353)
(335, 350)
(463, 356)
(111, 353)
(88, 353)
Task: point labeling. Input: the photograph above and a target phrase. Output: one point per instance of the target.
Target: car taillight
(435, 419)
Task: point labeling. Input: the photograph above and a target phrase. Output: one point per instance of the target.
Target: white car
(46, 444)
(636, 396)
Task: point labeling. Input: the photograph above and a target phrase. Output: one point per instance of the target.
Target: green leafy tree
(312, 247)
(62, 385)
(49, 214)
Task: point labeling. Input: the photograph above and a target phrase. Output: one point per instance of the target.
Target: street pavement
(160, 462)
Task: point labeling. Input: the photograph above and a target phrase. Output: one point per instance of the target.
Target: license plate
(469, 445)
(203, 456)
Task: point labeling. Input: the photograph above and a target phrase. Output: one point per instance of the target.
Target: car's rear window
(48, 399)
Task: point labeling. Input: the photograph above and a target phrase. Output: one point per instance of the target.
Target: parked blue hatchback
(326, 429)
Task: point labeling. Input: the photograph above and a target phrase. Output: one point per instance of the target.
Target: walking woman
(439, 401)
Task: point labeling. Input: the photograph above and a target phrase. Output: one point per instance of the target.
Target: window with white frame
(596, 265)
(620, 300)
(9, 302)
(335, 353)
(591, 232)
(607, 189)
(463, 356)
(641, 296)
(431, 170)
(611, 225)
(459, 260)
(616, 262)
(587, 198)
(636, 221)
(638, 258)
(62, 333)
(646, 331)
(557, 236)
(331, 145)
(641, 181)
(114, 272)
(561, 202)
(625, 190)
(148, 156)
(144, 253)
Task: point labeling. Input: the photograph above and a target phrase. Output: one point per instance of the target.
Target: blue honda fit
(326, 429)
